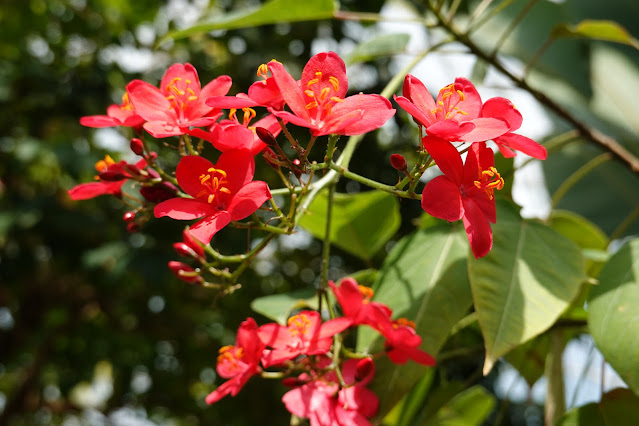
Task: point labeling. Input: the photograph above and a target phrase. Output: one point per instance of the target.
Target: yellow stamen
(103, 165)
(298, 324)
(335, 82)
(367, 292)
(489, 180)
(404, 322)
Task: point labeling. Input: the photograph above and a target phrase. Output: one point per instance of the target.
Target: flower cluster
(466, 189)
(327, 388)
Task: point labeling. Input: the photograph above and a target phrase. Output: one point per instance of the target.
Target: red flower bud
(365, 367)
(184, 250)
(265, 136)
(137, 146)
(159, 192)
(193, 244)
(292, 382)
(110, 176)
(133, 227)
(398, 162)
(185, 272)
(270, 157)
(128, 217)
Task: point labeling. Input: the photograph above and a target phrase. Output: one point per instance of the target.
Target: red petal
(149, 102)
(472, 101)
(188, 173)
(207, 227)
(446, 156)
(162, 129)
(98, 121)
(248, 199)
(266, 93)
(441, 198)
(477, 227)
(85, 191)
(417, 93)
(503, 109)
(450, 129)
(523, 144)
(376, 111)
(226, 102)
(290, 90)
(181, 71)
(239, 167)
(183, 209)
(485, 129)
(330, 65)
(425, 119)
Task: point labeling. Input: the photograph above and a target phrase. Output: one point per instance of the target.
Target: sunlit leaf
(360, 223)
(278, 307)
(596, 30)
(613, 315)
(380, 46)
(272, 12)
(469, 408)
(619, 407)
(524, 284)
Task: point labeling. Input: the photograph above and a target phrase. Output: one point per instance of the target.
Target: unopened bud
(398, 162)
(193, 243)
(292, 382)
(128, 217)
(270, 157)
(137, 146)
(184, 250)
(265, 136)
(365, 368)
(133, 227)
(185, 272)
(159, 192)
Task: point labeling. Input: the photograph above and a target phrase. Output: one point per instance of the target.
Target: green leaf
(613, 316)
(423, 279)
(619, 407)
(272, 12)
(468, 408)
(524, 284)
(380, 46)
(596, 29)
(361, 223)
(278, 307)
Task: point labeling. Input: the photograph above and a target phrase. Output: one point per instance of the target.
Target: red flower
(117, 115)
(238, 363)
(402, 342)
(112, 176)
(465, 191)
(323, 402)
(505, 110)
(356, 304)
(454, 116)
(221, 193)
(305, 334)
(318, 102)
(261, 93)
(230, 135)
(179, 102)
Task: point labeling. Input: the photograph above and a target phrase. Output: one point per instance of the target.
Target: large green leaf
(271, 12)
(467, 408)
(360, 224)
(613, 315)
(619, 407)
(596, 29)
(380, 46)
(423, 279)
(524, 284)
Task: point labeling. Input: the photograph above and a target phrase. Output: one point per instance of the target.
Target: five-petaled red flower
(454, 115)
(221, 193)
(318, 103)
(239, 362)
(465, 191)
(179, 102)
(112, 176)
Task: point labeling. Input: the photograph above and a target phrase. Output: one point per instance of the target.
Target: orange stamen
(298, 325)
(489, 180)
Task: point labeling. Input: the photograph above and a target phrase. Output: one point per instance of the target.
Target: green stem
(579, 174)
(374, 184)
(326, 249)
(623, 227)
(555, 398)
(251, 255)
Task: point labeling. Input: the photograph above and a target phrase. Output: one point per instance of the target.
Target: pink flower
(402, 343)
(465, 191)
(503, 109)
(117, 115)
(179, 102)
(356, 304)
(318, 101)
(304, 334)
(324, 403)
(454, 116)
(238, 363)
(221, 193)
(112, 176)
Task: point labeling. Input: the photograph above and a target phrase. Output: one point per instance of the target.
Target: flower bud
(159, 192)
(128, 217)
(184, 250)
(111, 176)
(292, 382)
(137, 146)
(133, 227)
(185, 272)
(265, 136)
(270, 157)
(192, 243)
(398, 162)
(365, 368)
